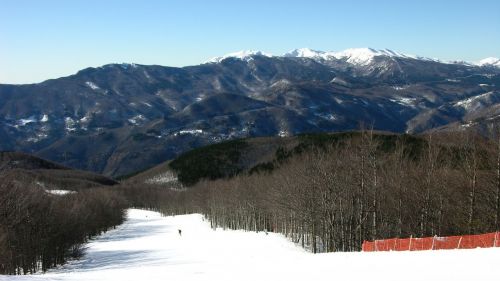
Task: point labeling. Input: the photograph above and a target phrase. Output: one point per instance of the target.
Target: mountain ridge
(120, 118)
(354, 55)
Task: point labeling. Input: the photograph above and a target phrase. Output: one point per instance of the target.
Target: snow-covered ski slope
(148, 247)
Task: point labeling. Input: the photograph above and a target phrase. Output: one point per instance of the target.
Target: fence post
(459, 242)
(409, 247)
(433, 238)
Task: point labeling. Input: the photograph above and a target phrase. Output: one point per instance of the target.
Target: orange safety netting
(487, 240)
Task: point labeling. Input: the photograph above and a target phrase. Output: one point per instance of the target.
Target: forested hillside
(47, 212)
(357, 186)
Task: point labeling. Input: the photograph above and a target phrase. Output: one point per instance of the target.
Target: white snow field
(148, 247)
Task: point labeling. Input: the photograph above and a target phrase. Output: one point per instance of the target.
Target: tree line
(39, 230)
(360, 188)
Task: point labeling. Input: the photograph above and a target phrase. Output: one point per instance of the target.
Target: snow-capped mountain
(489, 62)
(357, 56)
(353, 56)
(119, 118)
(306, 53)
(242, 55)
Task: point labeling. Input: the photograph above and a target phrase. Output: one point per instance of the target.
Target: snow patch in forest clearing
(166, 177)
(25, 121)
(137, 120)
(59, 191)
(405, 101)
(148, 247)
(189, 132)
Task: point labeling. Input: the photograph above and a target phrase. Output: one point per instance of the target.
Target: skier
(180, 232)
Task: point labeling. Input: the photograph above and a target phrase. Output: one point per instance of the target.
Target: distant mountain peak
(304, 53)
(242, 55)
(356, 56)
(491, 61)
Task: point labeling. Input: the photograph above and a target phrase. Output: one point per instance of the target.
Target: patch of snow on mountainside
(404, 101)
(92, 85)
(189, 132)
(69, 124)
(137, 120)
(165, 177)
(60, 192)
(25, 121)
(469, 102)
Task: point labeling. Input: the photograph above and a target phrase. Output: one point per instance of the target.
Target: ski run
(148, 246)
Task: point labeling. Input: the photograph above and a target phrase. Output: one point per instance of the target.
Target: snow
(364, 56)
(356, 56)
(489, 61)
(245, 55)
(189, 132)
(327, 116)
(467, 103)
(26, 121)
(283, 133)
(37, 137)
(400, 88)
(340, 81)
(405, 101)
(165, 177)
(146, 74)
(85, 119)
(69, 124)
(306, 53)
(92, 85)
(137, 120)
(126, 66)
(148, 247)
(60, 191)
(281, 83)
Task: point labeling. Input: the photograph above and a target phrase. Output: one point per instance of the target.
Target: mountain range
(121, 118)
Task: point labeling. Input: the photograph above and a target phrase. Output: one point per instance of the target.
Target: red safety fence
(487, 240)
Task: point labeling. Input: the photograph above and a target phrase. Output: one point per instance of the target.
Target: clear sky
(53, 38)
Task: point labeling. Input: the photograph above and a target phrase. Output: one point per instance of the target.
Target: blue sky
(53, 38)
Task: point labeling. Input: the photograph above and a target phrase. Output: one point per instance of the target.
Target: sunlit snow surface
(148, 247)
